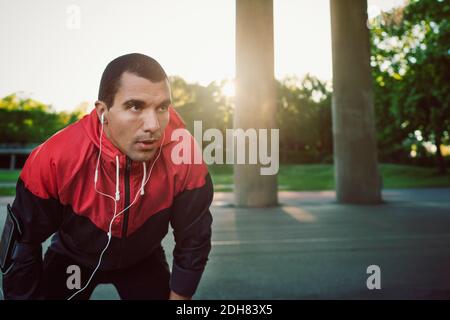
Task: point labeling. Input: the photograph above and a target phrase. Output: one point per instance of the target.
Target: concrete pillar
(255, 95)
(355, 149)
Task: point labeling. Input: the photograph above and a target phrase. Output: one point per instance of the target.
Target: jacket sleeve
(39, 212)
(191, 222)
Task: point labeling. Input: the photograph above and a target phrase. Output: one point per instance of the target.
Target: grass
(9, 175)
(311, 177)
(400, 176)
(7, 191)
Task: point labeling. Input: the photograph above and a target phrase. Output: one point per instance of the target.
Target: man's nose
(151, 122)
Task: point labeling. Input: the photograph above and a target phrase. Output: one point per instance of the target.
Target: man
(107, 188)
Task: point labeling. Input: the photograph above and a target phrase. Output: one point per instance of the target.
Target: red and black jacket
(55, 195)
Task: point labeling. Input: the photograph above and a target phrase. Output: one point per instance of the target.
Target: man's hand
(176, 296)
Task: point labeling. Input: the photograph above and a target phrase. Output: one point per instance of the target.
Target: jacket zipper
(127, 197)
(125, 213)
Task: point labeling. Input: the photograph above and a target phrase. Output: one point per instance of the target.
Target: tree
(27, 121)
(411, 59)
(303, 114)
(304, 119)
(195, 102)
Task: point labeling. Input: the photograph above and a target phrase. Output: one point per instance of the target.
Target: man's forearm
(22, 282)
(176, 296)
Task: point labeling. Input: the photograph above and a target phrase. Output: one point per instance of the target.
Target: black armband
(12, 232)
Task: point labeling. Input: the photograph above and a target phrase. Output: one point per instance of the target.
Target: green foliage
(304, 119)
(303, 114)
(411, 59)
(26, 121)
(199, 103)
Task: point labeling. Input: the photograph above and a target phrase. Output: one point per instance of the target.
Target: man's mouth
(147, 144)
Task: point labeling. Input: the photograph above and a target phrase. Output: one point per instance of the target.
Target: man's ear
(101, 109)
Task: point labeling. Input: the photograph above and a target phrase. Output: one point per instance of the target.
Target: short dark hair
(136, 63)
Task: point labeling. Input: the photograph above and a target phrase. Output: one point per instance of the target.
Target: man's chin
(143, 156)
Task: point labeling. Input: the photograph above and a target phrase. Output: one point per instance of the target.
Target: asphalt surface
(310, 247)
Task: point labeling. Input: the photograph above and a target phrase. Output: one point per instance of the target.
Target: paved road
(313, 248)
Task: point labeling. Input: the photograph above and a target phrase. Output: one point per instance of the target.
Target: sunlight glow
(229, 89)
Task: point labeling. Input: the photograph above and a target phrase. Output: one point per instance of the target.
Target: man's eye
(134, 107)
(163, 108)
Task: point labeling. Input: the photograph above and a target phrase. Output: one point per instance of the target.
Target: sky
(55, 51)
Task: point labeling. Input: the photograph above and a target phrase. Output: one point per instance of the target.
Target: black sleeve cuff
(184, 282)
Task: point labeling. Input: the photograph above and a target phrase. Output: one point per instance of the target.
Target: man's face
(137, 119)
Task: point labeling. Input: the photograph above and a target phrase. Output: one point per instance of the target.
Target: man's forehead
(134, 87)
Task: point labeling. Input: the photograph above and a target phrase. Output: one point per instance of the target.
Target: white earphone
(146, 178)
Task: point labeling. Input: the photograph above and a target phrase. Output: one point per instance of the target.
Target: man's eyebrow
(140, 103)
(136, 102)
(165, 103)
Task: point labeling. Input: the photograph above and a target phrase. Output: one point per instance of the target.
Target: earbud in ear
(102, 119)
